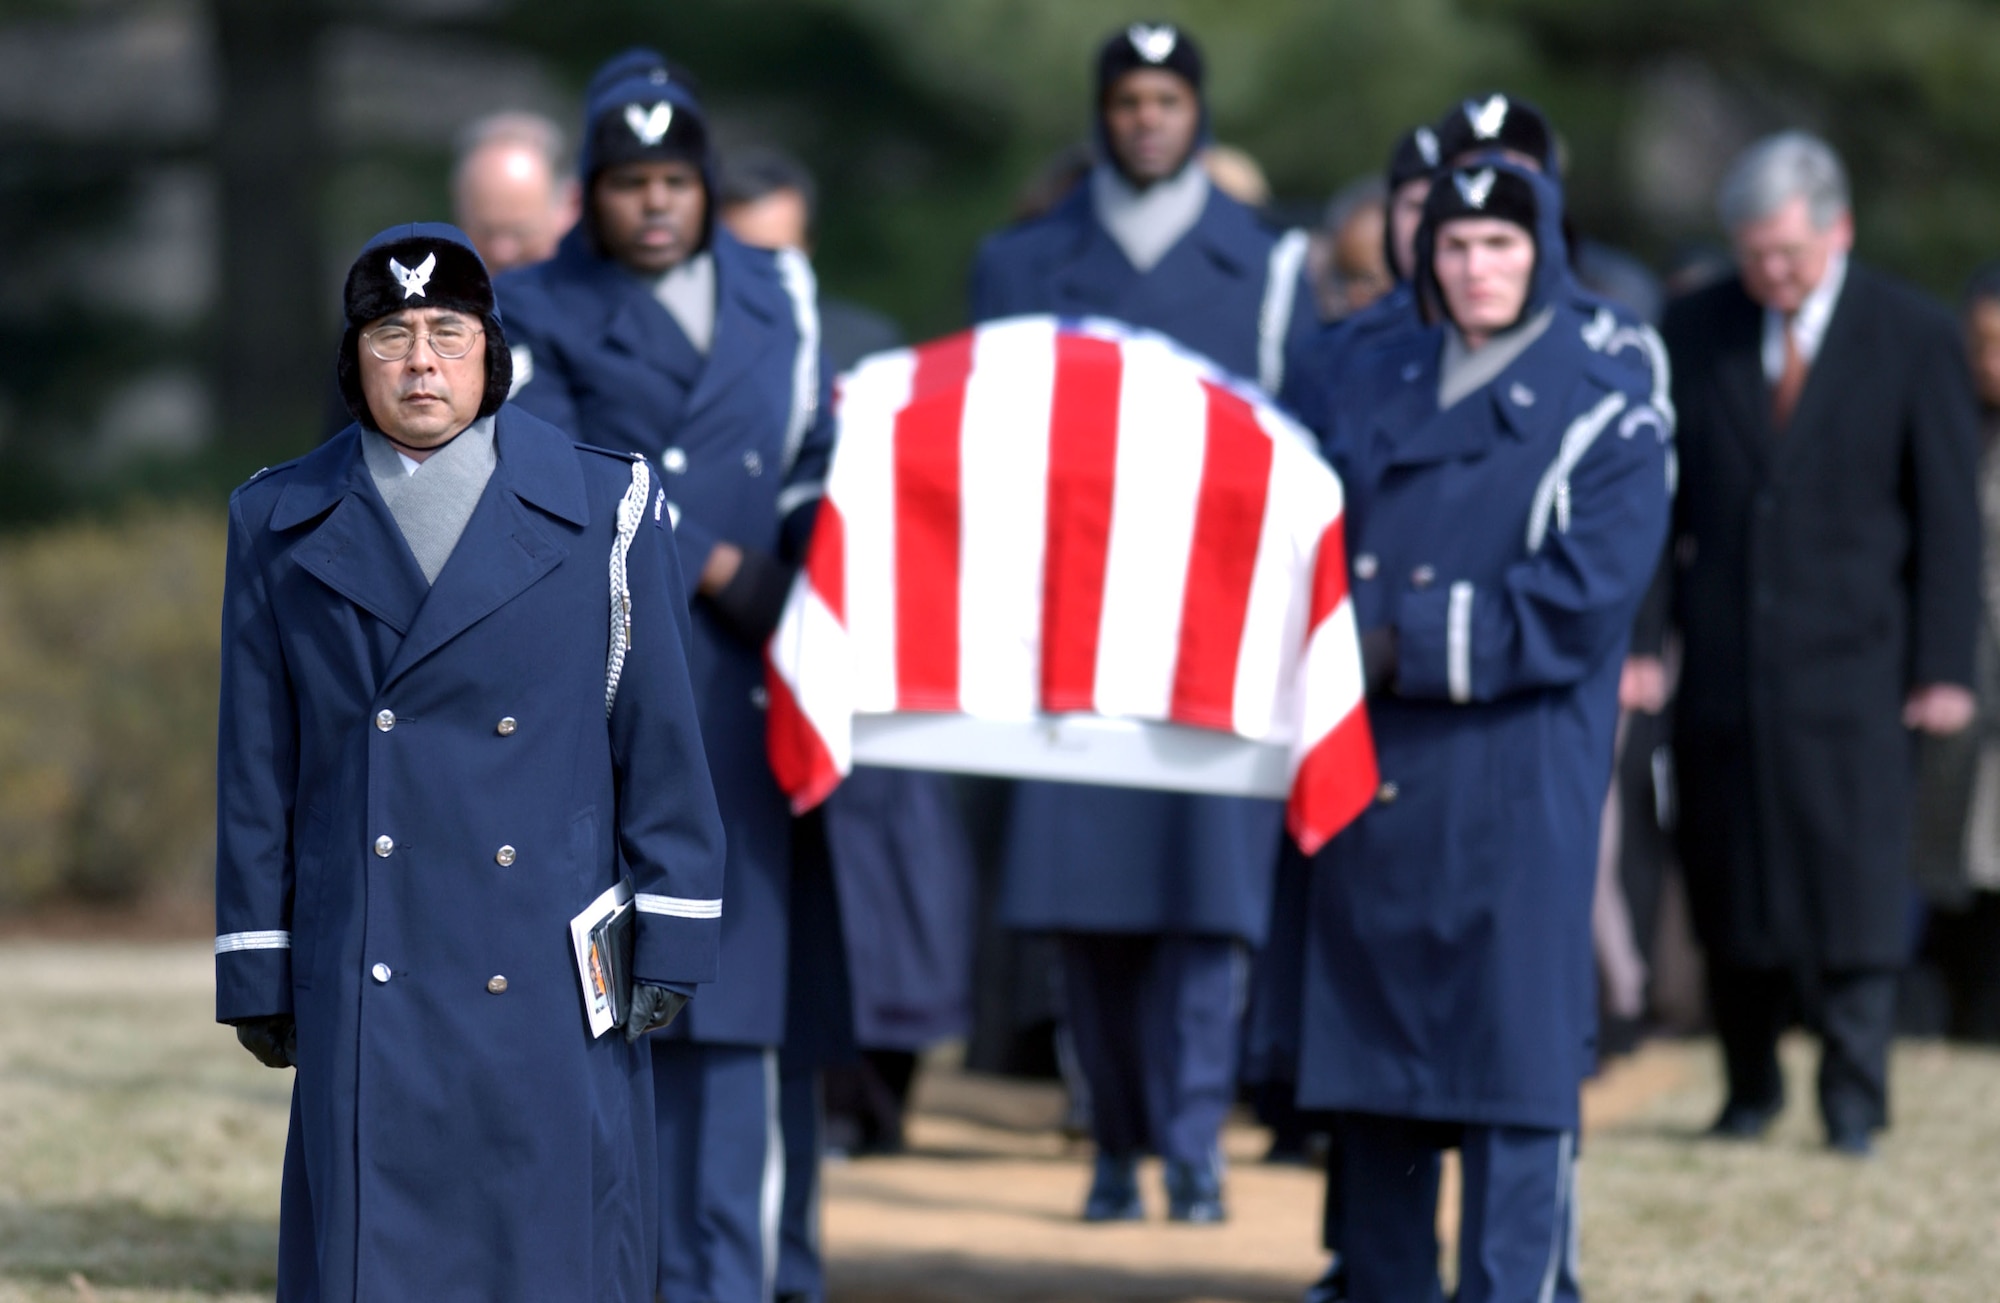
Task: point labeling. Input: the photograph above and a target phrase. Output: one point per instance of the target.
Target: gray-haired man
(1826, 562)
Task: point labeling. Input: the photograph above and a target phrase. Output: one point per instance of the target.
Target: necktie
(1791, 381)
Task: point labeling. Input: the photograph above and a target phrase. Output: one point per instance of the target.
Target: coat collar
(357, 550)
(751, 309)
(1514, 404)
(1092, 269)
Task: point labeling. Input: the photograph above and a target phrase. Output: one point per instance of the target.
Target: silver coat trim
(771, 1192)
(803, 288)
(631, 512)
(798, 495)
(1458, 642)
(1552, 494)
(677, 906)
(1565, 1191)
(1281, 291)
(273, 939)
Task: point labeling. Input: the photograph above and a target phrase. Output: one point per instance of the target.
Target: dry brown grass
(140, 1150)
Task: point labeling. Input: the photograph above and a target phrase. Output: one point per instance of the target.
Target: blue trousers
(1517, 1220)
(722, 1171)
(800, 1270)
(1156, 1022)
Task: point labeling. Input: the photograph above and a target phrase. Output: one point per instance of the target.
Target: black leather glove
(274, 1040)
(753, 599)
(653, 1007)
(1379, 649)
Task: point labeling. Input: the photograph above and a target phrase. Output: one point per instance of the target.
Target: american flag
(1046, 516)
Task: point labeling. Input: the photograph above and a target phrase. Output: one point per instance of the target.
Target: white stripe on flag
(1162, 433)
(1330, 680)
(1298, 504)
(862, 484)
(1003, 496)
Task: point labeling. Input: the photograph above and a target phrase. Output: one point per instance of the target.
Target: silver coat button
(385, 845)
(1521, 395)
(675, 461)
(1365, 566)
(497, 984)
(759, 698)
(1387, 793)
(1423, 577)
(380, 972)
(504, 856)
(506, 727)
(386, 720)
(753, 462)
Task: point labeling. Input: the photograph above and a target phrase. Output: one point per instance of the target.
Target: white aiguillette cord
(631, 511)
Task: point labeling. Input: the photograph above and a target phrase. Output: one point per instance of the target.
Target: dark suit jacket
(1819, 574)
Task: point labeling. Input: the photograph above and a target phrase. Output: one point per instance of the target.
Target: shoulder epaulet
(626, 457)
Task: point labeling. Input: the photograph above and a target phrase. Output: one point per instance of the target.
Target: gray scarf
(1462, 370)
(1146, 223)
(688, 292)
(432, 504)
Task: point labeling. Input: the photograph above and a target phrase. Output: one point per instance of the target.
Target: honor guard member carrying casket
(654, 331)
(1155, 895)
(455, 710)
(1450, 988)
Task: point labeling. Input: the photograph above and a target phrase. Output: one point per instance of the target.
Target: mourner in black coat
(1826, 570)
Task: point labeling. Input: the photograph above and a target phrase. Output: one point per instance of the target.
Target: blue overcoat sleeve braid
(669, 831)
(257, 774)
(1593, 536)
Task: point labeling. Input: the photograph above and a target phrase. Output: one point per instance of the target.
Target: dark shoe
(1194, 1193)
(1851, 1142)
(1114, 1192)
(1331, 1287)
(1743, 1122)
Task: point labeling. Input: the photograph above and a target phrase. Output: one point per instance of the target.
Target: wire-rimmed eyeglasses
(451, 340)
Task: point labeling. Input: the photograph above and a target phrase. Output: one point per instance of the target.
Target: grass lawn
(140, 1151)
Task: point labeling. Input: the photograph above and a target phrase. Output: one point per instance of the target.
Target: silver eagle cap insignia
(1487, 119)
(650, 125)
(414, 279)
(1154, 44)
(1474, 187)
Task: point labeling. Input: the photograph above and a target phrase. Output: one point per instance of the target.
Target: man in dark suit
(1826, 566)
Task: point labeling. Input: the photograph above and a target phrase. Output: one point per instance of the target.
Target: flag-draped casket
(1042, 517)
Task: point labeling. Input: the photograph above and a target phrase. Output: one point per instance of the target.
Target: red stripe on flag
(826, 560)
(928, 514)
(1329, 587)
(799, 759)
(1083, 461)
(1336, 782)
(1229, 521)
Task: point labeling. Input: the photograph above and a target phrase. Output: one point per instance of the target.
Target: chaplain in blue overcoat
(654, 331)
(455, 709)
(1504, 521)
(1155, 895)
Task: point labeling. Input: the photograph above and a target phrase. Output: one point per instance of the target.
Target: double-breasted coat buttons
(506, 727)
(380, 972)
(504, 856)
(386, 720)
(497, 984)
(385, 846)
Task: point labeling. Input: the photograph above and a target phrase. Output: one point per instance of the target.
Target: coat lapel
(356, 550)
(1739, 374)
(507, 545)
(746, 322)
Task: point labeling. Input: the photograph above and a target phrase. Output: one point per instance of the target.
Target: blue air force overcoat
(741, 437)
(1509, 540)
(419, 788)
(1103, 859)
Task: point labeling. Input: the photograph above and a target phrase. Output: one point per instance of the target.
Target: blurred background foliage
(182, 183)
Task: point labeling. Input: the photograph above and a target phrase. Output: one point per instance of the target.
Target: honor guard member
(455, 710)
(654, 331)
(1155, 895)
(1450, 990)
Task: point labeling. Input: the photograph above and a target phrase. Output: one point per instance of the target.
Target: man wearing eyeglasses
(456, 709)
